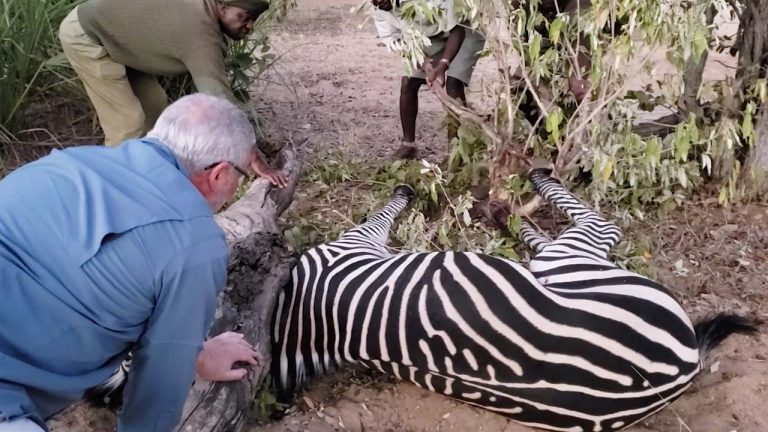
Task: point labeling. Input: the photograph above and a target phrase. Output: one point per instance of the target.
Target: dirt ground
(335, 92)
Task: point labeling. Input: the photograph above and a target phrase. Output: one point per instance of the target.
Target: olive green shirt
(162, 37)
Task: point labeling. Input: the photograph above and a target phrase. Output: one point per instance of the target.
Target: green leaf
(747, 124)
(535, 48)
(653, 151)
(555, 28)
(514, 223)
(553, 123)
(682, 144)
(699, 43)
(507, 253)
(242, 60)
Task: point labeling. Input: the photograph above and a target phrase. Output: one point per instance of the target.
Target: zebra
(573, 343)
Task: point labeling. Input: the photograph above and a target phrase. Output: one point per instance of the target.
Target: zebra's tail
(109, 394)
(713, 331)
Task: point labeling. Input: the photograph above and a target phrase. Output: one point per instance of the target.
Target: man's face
(225, 188)
(218, 183)
(385, 5)
(236, 22)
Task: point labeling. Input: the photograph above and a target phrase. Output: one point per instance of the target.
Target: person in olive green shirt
(119, 47)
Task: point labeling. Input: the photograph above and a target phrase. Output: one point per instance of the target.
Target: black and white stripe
(574, 344)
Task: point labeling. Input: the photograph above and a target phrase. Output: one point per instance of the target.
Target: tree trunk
(694, 74)
(259, 267)
(753, 61)
(755, 178)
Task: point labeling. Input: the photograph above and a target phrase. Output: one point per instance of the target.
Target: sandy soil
(335, 91)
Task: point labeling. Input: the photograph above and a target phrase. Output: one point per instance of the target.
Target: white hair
(201, 130)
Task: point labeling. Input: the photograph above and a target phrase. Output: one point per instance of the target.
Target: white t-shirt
(390, 26)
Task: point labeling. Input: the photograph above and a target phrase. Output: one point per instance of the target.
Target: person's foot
(406, 151)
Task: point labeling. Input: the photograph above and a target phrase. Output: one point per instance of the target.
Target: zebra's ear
(405, 190)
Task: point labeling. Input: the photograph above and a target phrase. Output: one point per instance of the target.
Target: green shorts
(463, 65)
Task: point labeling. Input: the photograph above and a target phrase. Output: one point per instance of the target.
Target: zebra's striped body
(574, 344)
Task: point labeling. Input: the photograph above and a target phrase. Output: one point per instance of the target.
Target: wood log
(259, 267)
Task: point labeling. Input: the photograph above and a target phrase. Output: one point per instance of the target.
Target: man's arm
(436, 68)
(207, 69)
(262, 168)
(163, 366)
(206, 65)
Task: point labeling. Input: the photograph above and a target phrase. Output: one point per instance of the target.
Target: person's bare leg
(455, 89)
(409, 110)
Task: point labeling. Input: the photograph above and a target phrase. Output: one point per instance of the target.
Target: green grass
(28, 39)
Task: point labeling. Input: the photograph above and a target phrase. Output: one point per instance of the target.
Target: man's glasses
(237, 168)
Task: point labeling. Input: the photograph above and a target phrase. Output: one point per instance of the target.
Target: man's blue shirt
(105, 250)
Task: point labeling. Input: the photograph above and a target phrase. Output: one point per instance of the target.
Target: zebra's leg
(592, 233)
(375, 230)
(533, 238)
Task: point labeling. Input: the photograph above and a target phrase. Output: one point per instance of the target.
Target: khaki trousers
(126, 101)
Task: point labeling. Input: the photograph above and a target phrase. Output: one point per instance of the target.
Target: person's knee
(410, 86)
(133, 125)
(134, 122)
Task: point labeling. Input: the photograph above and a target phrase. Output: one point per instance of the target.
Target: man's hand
(261, 168)
(435, 72)
(220, 353)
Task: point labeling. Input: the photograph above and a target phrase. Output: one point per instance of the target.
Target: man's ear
(259, 8)
(216, 173)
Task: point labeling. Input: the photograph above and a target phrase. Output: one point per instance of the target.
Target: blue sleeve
(163, 367)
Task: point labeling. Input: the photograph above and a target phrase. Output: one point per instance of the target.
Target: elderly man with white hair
(105, 250)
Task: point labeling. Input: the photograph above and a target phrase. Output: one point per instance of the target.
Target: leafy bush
(623, 38)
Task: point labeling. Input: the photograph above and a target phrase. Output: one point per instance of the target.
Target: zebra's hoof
(539, 172)
(404, 189)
